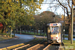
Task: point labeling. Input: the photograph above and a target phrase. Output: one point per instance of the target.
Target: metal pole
(72, 27)
(64, 25)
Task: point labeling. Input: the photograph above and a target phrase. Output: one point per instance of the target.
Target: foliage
(68, 7)
(14, 13)
(44, 18)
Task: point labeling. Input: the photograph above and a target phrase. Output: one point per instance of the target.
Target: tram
(54, 33)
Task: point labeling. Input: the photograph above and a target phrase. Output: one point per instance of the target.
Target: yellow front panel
(56, 35)
(53, 35)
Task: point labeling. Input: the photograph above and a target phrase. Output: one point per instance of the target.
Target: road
(22, 38)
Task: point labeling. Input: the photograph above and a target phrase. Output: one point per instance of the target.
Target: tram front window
(54, 30)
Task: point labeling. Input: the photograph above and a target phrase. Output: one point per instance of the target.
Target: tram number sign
(53, 24)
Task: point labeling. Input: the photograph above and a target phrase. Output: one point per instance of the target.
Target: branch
(64, 7)
(69, 4)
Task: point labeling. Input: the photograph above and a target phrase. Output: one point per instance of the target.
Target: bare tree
(66, 4)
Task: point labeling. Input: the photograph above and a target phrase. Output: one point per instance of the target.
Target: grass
(68, 45)
(3, 38)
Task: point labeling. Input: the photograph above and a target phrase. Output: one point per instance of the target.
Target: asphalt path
(19, 39)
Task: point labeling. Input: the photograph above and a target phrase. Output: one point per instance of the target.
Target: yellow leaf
(9, 1)
(62, 16)
(9, 26)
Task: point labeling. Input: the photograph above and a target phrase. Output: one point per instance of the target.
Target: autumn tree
(14, 12)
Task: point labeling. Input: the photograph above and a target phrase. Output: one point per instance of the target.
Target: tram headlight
(57, 36)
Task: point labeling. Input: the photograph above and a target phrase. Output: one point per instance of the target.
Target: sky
(45, 7)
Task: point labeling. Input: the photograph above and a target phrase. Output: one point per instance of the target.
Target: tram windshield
(54, 30)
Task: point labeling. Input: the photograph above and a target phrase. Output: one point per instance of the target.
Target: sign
(55, 24)
(51, 24)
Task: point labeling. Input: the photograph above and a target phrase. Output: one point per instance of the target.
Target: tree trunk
(25, 29)
(30, 29)
(44, 30)
(34, 31)
(37, 31)
(11, 33)
(14, 34)
(69, 35)
(40, 32)
(20, 30)
(16, 30)
(4, 29)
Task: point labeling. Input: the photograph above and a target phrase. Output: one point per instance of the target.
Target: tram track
(54, 47)
(30, 44)
(25, 44)
(39, 44)
(45, 46)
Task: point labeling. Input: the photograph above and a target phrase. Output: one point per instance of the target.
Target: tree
(14, 12)
(44, 18)
(67, 4)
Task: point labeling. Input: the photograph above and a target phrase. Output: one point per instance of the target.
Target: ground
(3, 38)
(20, 39)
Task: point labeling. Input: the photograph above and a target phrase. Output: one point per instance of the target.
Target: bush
(8, 34)
(12, 35)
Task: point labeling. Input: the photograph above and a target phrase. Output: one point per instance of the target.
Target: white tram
(54, 33)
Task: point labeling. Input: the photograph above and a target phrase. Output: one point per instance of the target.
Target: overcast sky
(45, 7)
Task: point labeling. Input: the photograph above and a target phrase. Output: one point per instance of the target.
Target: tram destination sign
(55, 24)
